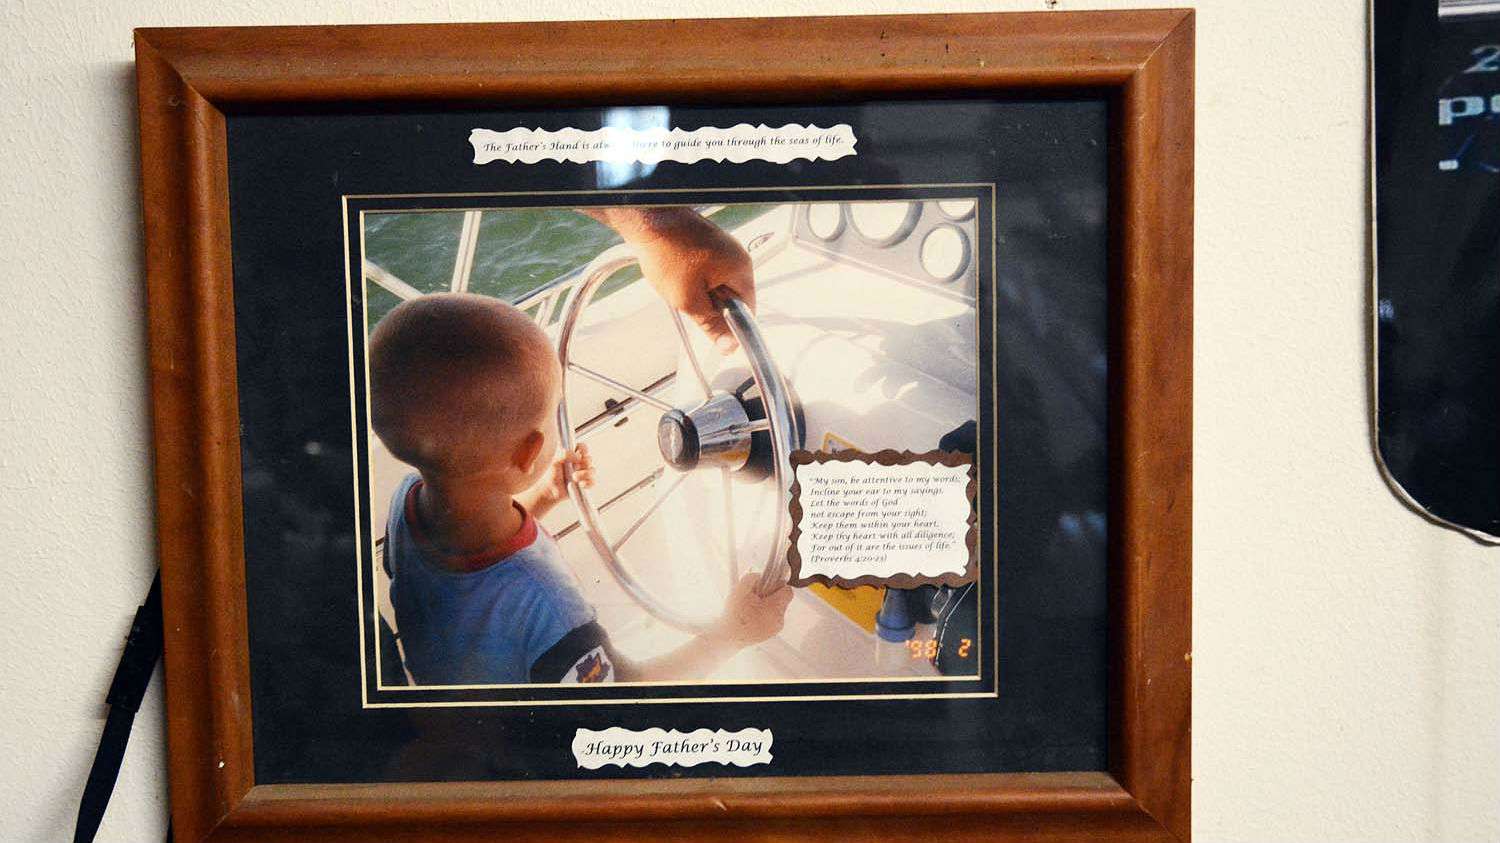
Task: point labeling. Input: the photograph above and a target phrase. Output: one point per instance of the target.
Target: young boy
(465, 389)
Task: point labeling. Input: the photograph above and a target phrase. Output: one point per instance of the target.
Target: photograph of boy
(464, 388)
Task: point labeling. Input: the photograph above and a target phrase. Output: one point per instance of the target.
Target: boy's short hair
(454, 376)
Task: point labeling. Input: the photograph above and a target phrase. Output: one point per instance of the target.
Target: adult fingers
(713, 325)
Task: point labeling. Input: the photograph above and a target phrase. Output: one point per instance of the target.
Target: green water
(517, 251)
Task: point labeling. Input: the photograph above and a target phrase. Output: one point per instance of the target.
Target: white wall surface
(1347, 654)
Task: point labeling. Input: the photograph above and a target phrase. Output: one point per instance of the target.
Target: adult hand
(685, 257)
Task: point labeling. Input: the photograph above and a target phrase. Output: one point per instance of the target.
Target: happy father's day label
(632, 748)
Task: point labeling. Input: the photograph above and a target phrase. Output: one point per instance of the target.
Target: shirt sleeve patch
(593, 667)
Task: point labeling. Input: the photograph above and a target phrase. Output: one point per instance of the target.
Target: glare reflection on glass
(616, 173)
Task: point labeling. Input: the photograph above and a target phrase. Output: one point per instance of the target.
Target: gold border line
(359, 541)
(751, 189)
(373, 620)
(674, 683)
(684, 700)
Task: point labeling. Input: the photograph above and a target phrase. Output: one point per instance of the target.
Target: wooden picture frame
(1142, 61)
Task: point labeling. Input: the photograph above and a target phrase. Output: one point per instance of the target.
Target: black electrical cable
(142, 651)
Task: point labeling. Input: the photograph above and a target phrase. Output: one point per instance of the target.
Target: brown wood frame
(1142, 60)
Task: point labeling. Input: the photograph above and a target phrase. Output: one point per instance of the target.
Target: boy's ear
(526, 453)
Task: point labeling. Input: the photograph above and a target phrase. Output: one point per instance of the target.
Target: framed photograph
(675, 429)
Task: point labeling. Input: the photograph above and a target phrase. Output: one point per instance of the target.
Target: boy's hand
(750, 618)
(552, 489)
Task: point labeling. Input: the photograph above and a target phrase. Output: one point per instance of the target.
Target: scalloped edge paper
(618, 144)
(622, 747)
(888, 457)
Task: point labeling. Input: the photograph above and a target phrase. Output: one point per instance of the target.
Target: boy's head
(461, 385)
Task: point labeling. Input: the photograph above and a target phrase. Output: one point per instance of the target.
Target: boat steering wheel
(716, 434)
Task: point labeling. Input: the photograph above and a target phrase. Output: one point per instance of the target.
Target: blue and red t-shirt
(511, 615)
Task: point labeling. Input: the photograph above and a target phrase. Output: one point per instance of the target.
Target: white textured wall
(1347, 658)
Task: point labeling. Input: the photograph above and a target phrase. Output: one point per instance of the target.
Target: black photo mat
(297, 184)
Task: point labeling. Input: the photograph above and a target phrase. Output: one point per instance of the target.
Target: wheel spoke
(687, 348)
(755, 426)
(628, 390)
(661, 498)
(613, 415)
(730, 539)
